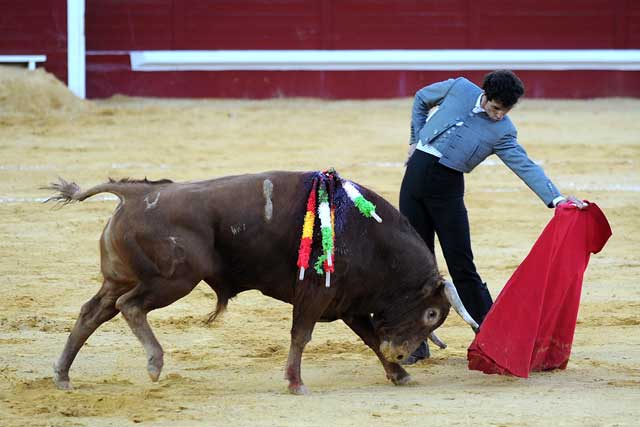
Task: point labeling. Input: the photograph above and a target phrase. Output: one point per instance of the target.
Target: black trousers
(432, 199)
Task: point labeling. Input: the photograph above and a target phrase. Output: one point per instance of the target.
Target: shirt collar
(477, 108)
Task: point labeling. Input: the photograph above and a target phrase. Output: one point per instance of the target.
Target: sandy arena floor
(231, 372)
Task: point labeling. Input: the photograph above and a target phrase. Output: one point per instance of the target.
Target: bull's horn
(434, 339)
(454, 300)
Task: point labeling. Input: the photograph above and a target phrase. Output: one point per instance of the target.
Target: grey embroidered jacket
(465, 139)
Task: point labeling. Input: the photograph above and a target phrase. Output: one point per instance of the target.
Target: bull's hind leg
(362, 326)
(93, 313)
(147, 296)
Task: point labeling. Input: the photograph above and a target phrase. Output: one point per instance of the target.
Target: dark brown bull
(242, 232)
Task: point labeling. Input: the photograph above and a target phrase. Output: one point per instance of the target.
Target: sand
(231, 372)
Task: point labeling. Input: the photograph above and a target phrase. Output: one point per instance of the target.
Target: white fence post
(76, 47)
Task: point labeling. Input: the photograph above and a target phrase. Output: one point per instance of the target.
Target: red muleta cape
(530, 327)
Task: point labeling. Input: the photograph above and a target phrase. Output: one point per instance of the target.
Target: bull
(240, 233)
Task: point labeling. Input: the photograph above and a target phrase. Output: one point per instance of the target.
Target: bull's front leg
(307, 310)
(363, 327)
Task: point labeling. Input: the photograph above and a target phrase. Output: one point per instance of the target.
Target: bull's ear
(428, 289)
(432, 287)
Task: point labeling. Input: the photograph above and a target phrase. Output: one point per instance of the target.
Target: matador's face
(494, 109)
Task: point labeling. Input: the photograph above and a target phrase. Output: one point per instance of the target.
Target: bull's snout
(394, 353)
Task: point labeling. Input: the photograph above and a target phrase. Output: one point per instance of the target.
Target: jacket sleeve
(516, 158)
(425, 99)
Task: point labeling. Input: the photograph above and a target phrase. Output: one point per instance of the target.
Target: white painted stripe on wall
(335, 60)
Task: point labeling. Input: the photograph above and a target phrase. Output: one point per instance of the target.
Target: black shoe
(421, 353)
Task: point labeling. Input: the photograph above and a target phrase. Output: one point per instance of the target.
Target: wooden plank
(632, 25)
(383, 24)
(248, 24)
(531, 24)
(129, 25)
(34, 26)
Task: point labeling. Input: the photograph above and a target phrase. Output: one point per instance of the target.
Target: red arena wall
(36, 27)
(115, 28)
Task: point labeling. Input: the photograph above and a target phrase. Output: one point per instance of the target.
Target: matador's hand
(574, 201)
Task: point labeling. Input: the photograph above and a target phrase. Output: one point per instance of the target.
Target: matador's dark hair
(503, 86)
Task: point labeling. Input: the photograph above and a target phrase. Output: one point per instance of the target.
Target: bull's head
(402, 328)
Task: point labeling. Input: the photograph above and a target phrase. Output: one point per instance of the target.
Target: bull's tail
(224, 294)
(70, 192)
(221, 306)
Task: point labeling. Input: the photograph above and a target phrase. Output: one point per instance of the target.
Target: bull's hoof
(62, 384)
(61, 379)
(402, 380)
(154, 367)
(300, 390)
(398, 376)
(154, 372)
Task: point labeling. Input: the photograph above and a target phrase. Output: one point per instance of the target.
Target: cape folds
(531, 325)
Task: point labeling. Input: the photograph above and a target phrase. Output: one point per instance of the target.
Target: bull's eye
(431, 315)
